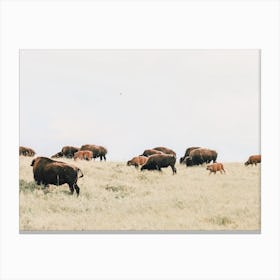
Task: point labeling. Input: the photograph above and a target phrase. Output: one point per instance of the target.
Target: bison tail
(82, 175)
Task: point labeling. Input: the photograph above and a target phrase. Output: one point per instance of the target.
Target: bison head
(188, 161)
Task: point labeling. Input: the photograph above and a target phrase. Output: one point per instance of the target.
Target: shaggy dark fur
(200, 156)
(187, 153)
(69, 151)
(47, 171)
(156, 162)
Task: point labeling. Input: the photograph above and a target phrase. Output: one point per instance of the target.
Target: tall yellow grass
(119, 197)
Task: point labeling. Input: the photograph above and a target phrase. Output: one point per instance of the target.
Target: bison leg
(174, 169)
(158, 168)
(77, 189)
(71, 189)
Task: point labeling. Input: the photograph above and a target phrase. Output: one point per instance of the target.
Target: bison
(57, 155)
(158, 161)
(136, 161)
(97, 151)
(165, 150)
(215, 167)
(27, 152)
(187, 153)
(150, 152)
(253, 160)
(47, 171)
(69, 151)
(86, 155)
(200, 156)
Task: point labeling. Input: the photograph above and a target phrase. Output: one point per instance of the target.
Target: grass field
(119, 197)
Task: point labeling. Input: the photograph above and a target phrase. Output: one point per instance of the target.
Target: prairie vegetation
(119, 197)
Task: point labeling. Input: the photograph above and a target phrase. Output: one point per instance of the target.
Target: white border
(123, 24)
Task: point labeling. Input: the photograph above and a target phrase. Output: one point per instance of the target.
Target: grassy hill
(119, 197)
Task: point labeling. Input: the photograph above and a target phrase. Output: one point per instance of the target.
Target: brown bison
(150, 152)
(69, 151)
(165, 150)
(27, 152)
(158, 161)
(86, 155)
(253, 160)
(97, 151)
(47, 171)
(200, 156)
(136, 161)
(57, 155)
(187, 153)
(215, 167)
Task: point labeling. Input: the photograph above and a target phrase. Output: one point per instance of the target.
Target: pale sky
(131, 100)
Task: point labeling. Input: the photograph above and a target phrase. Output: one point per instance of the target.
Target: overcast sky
(131, 100)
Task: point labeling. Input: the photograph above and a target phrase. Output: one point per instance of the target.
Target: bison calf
(253, 160)
(86, 155)
(136, 161)
(47, 171)
(215, 167)
(156, 162)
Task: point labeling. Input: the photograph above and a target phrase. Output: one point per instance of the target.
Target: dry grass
(119, 197)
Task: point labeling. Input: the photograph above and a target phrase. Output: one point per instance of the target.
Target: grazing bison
(187, 153)
(158, 161)
(200, 156)
(27, 152)
(215, 167)
(253, 160)
(136, 161)
(87, 155)
(57, 155)
(150, 152)
(165, 150)
(69, 151)
(97, 151)
(47, 171)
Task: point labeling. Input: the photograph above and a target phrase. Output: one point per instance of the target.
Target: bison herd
(86, 152)
(49, 171)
